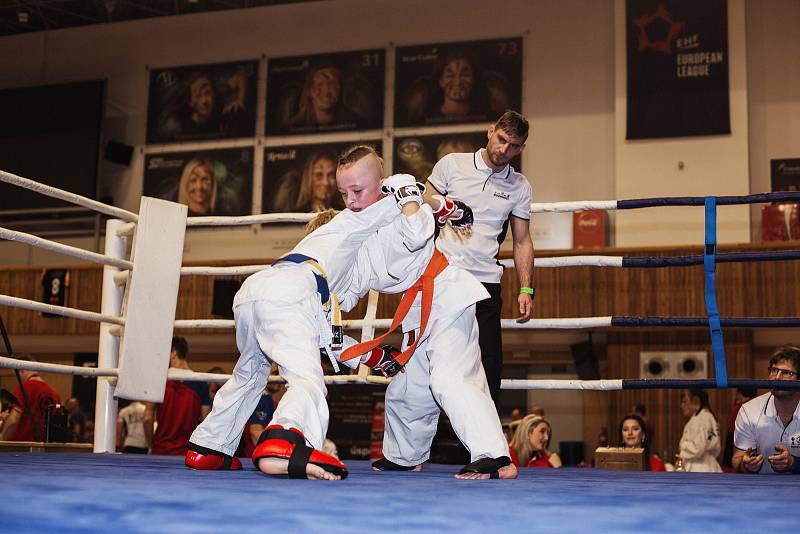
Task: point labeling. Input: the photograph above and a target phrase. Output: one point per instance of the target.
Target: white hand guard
(396, 181)
(346, 344)
(407, 193)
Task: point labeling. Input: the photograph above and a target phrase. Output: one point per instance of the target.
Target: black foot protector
(490, 466)
(387, 465)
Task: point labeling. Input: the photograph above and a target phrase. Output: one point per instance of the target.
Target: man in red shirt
(26, 421)
(185, 405)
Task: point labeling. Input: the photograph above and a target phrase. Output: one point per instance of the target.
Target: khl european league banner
(677, 68)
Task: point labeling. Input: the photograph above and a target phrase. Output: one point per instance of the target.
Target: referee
(498, 195)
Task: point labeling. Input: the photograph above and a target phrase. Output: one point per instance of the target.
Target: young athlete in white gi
(281, 316)
(445, 370)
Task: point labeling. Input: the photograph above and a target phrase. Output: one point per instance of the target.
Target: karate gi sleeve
(698, 438)
(417, 229)
(361, 281)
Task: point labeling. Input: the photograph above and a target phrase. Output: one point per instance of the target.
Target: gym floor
(69, 492)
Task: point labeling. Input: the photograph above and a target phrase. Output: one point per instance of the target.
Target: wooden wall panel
(85, 300)
(84, 293)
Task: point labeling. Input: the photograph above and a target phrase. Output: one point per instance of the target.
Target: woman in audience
(634, 433)
(700, 443)
(529, 446)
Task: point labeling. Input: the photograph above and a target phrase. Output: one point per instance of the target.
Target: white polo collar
(481, 165)
(769, 407)
(771, 411)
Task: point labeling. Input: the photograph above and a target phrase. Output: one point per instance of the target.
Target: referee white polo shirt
(493, 197)
(758, 426)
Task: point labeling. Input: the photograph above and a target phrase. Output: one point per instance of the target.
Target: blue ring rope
(743, 322)
(662, 383)
(635, 203)
(725, 257)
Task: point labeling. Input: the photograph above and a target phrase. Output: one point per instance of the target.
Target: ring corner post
(108, 345)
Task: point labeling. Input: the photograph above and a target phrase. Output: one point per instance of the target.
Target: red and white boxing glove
(459, 214)
(384, 359)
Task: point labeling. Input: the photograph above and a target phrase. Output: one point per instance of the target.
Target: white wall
(713, 165)
(573, 92)
(566, 45)
(773, 64)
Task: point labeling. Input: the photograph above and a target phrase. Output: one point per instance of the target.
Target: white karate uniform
(280, 318)
(700, 443)
(445, 370)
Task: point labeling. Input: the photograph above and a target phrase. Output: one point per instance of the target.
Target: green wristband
(528, 290)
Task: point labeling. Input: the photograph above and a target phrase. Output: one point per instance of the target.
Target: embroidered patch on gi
(501, 194)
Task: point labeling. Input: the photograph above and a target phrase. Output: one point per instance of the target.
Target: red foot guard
(205, 459)
(277, 442)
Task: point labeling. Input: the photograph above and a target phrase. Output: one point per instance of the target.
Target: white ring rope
(560, 261)
(191, 376)
(72, 198)
(263, 218)
(560, 323)
(173, 374)
(578, 205)
(216, 271)
(585, 385)
(571, 261)
(250, 219)
(510, 324)
(204, 323)
(536, 207)
(24, 365)
(67, 250)
(59, 310)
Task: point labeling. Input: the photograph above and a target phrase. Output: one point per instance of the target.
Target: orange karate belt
(425, 284)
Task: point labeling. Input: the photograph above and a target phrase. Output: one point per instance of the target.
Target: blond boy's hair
(323, 217)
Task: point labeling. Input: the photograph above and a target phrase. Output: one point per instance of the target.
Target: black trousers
(490, 337)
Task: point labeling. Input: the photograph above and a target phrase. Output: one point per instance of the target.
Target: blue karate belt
(319, 273)
(332, 304)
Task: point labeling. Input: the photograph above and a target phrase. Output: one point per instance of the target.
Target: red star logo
(665, 46)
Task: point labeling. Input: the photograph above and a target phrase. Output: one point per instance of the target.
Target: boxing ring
(129, 493)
